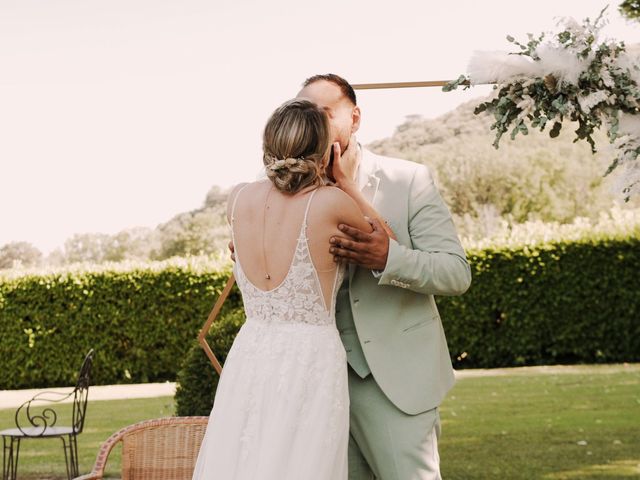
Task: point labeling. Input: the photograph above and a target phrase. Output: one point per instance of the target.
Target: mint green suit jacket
(399, 330)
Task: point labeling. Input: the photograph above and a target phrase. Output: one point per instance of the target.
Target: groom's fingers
(352, 252)
(344, 243)
(354, 233)
(351, 256)
(339, 252)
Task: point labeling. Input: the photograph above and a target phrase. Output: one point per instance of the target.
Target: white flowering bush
(195, 264)
(572, 76)
(615, 224)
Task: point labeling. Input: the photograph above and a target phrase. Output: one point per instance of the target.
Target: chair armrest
(97, 473)
(90, 476)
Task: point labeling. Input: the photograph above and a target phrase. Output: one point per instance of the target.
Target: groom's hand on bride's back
(368, 250)
(232, 250)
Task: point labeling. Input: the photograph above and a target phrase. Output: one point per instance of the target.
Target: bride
(281, 409)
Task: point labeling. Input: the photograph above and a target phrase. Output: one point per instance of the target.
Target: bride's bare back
(267, 224)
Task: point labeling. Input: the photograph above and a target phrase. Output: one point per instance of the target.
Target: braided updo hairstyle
(297, 136)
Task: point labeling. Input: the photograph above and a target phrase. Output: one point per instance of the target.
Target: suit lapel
(369, 183)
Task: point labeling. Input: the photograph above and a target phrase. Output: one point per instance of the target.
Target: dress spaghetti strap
(233, 206)
(306, 210)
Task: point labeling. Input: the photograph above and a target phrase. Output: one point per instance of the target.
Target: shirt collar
(361, 176)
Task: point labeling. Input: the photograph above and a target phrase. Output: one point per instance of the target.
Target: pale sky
(122, 113)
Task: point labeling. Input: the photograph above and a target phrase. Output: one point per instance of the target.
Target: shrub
(197, 380)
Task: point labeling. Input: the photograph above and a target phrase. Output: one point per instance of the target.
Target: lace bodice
(299, 297)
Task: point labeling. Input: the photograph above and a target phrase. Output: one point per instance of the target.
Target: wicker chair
(160, 449)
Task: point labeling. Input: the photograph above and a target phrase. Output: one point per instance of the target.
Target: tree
(19, 254)
(135, 243)
(532, 178)
(198, 232)
(215, 197)
(86, 247)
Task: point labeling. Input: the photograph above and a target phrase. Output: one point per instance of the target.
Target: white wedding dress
(281, 410)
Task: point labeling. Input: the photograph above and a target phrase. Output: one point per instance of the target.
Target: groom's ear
(355, 119)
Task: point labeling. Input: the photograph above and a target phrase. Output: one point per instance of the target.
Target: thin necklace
(264, 234)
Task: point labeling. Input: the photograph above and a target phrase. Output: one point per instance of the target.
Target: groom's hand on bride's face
(368, 250)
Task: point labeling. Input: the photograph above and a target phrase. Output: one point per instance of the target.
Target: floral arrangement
(572, 76)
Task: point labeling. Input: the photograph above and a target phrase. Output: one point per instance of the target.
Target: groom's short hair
(345, 87)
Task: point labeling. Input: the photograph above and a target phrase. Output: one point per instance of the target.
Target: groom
(400, 369)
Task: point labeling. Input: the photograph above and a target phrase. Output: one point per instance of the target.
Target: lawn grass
(43, 459)
(516, 426)
(535, 426)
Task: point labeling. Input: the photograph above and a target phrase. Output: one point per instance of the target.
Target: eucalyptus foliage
(571, 77)
(630, 9)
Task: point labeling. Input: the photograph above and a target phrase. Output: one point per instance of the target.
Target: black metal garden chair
(37, 419)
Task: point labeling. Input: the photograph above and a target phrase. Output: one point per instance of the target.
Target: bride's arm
(348, 212)
(367, 209)
(344, 174)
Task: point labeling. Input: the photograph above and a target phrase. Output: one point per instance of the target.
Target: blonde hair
(295, 144)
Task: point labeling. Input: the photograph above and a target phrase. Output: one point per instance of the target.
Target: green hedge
(550, 304)
(559, 303)
(556, 303)
(140, 322)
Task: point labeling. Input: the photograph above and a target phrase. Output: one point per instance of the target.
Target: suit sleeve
(435, 263)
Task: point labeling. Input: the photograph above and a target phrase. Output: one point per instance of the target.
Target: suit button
(356, 302)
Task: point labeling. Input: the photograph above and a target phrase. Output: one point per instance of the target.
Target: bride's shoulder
(331, 193)
(336, 200)
(235, 190)
(250, 185)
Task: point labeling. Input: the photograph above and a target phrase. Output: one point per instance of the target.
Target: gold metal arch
(210, 319)
(374, 86)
